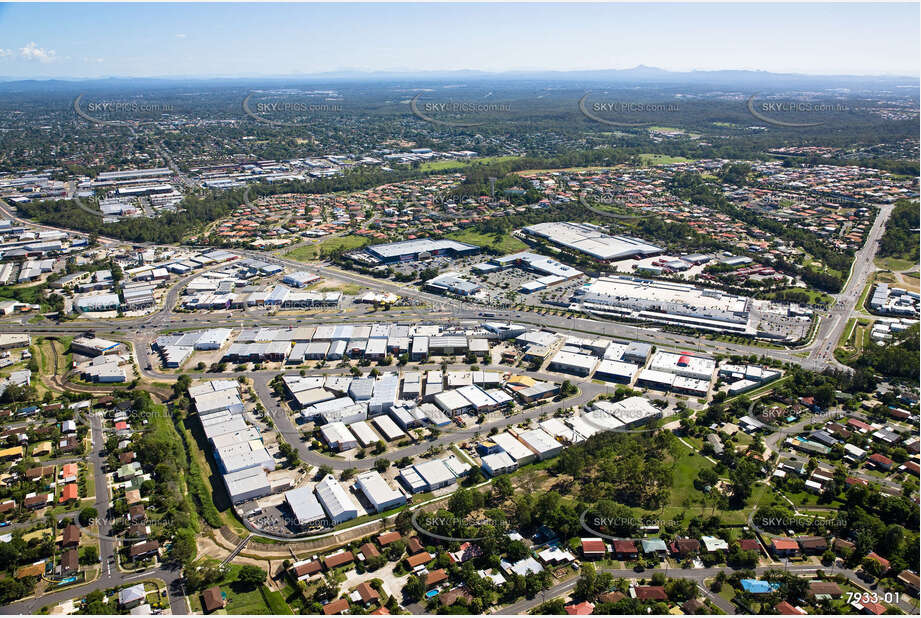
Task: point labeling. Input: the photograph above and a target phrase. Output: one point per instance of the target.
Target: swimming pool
(67, 580)
(430, 594)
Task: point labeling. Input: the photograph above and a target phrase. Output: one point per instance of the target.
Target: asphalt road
(110, 576)
(451, 435)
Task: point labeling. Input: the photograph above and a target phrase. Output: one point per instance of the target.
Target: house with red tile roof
(336, 607)
(433, 578)
(69, 493)
(785, 609)
(881, 461)
(782, 546)
(874, 556)
(580, 609)
(593, 548)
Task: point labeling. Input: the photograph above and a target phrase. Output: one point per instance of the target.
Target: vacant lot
(315, 251)
(503, 243)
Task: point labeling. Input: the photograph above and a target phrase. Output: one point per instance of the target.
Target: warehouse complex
(592, 241)
(419, 249)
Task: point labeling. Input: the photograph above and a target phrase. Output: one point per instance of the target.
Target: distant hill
(640, 75)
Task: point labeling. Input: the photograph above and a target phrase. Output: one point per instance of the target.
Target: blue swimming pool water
(430, 594)
(67, 580)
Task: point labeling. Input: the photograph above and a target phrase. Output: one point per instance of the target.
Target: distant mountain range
(640, 75)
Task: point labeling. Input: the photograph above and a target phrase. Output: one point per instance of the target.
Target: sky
(243, 40)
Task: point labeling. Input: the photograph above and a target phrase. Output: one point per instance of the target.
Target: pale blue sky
(85, 40)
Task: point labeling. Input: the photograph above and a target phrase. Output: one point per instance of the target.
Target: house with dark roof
(812, 544)
(650, 593)
(825, 590)
(624, 549)
(144, 549)
(910, 580)
(612, 597)
(452, 596)
(750, 545)
(70, 562)
(842, 546)
(136, 513)
(213, 599)
(682, 547)
(71, 536)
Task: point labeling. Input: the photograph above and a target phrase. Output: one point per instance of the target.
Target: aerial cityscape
(494, 308)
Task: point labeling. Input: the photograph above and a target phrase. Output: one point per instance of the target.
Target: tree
(502, 488)
(251, 576)
(87, 516)
(381, 464)
(414, 589)
(183, 549)
(872, 566)
(89, 555)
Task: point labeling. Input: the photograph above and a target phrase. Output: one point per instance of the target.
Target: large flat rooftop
(591, 240)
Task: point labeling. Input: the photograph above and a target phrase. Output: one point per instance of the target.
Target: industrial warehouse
(419, 249)
(592, 241)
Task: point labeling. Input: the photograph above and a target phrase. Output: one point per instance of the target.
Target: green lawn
(660, 159)
(243, 600)
(504, 243)
(894, 264)
(340, 243)
(440, 166)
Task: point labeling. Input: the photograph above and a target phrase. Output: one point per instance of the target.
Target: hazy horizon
(201, 41)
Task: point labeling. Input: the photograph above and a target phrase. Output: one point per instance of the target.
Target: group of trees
(630, 468)
(899, 358)
(901, 236)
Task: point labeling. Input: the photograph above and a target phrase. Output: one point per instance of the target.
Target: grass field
(686, 501)
(340, 243)
(440, 166)
(660, 159)
(243, 600)
(815, 296)
(504, 243)
(895, 264)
